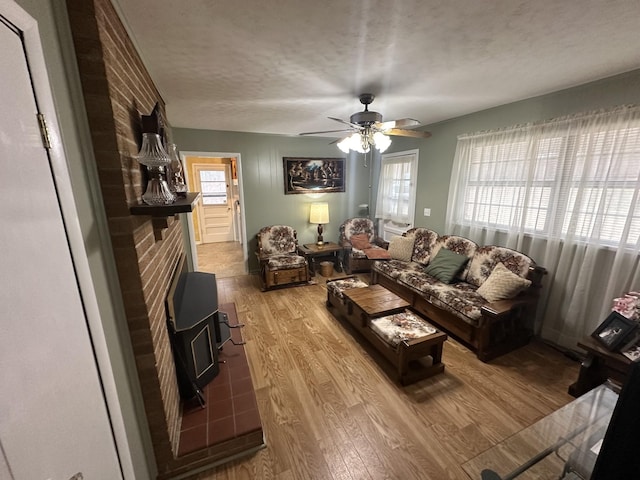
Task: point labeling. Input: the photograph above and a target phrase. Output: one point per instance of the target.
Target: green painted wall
(263, 179)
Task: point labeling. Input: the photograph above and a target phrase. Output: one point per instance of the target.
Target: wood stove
(197, 329)
(192, 318)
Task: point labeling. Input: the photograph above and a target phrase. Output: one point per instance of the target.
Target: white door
(53, 416)
(215, 208)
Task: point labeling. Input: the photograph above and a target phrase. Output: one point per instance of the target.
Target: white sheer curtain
(567, 193)
(395, 193)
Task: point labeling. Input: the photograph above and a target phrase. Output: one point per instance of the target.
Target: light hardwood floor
(330, 412)
(225, 259)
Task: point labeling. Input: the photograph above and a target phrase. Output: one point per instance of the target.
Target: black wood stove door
(196, 356)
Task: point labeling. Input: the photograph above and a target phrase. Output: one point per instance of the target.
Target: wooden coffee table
(408, 357)
(371, 302)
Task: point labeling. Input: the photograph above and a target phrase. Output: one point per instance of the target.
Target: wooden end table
(374, 301)
(328, 250)
(599, 366)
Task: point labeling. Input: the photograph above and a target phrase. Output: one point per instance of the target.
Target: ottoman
(410, 343)
(336, 288)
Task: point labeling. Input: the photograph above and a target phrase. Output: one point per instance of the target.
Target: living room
(102, 210)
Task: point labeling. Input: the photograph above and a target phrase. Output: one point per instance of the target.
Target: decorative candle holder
(177, 182)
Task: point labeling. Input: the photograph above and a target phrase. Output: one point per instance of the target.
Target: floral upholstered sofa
(485, 296)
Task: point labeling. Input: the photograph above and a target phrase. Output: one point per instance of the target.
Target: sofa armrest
(381, 243)
(535, 275)
(501, 308)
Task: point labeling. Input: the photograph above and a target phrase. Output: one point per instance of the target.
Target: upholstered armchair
(361, 244)
(277, 254)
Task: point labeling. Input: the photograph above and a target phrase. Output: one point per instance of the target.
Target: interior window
(214, 187)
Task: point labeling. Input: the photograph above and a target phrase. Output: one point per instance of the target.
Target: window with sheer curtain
(397, 188)
(568, 192)
(583, 184)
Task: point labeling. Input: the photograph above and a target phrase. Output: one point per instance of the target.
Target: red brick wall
(117, 91)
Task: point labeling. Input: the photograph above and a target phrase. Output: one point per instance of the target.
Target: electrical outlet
(427, 212)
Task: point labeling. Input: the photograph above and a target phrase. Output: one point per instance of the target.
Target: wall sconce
(319, 213)
(153, 156)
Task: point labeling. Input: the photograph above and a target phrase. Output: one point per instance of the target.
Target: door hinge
(44, 131)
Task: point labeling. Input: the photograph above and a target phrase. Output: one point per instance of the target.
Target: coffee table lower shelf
(412, 360)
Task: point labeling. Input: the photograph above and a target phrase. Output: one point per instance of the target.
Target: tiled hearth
(230, 422)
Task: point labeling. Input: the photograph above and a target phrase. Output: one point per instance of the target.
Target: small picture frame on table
(614, 330)
(632, 352)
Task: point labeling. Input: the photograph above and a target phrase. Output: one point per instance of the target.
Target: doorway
(218, 241)
(216, 218)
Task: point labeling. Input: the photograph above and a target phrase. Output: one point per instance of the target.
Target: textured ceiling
(283, 66)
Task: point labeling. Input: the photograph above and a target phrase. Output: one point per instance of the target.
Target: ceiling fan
(369, 129)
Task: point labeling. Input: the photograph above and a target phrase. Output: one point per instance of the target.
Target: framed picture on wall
(313, 175)
(614, 330)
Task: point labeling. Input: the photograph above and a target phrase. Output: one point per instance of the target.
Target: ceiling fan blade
(325, 131)
(407, 133)
(354, 125)
(400, 123)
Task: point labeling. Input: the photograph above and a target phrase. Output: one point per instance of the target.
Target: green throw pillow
(446, 265)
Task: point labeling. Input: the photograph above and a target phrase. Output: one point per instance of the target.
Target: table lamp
(319, 214)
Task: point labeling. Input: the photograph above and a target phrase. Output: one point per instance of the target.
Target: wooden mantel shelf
(181, 205)
(160, 214)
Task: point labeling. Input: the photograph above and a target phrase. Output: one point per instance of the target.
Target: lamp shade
(319, 213)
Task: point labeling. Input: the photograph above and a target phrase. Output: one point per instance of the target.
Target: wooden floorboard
(329, 411)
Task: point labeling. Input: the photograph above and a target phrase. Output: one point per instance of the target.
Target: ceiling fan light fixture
(362, 143)
(381, 141)
(356, 142)
(345, 144)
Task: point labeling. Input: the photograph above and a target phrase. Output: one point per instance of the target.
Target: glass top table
(563, 444)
